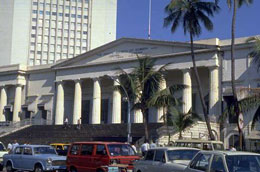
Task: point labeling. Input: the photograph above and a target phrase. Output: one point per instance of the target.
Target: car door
(27, 158)
(86, 160)
(17, 157)
(147, 164)
(199, 163)
(73, 158)
(100, 158)
(159, 163)
(217, 164)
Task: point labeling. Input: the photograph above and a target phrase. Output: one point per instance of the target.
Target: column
(3, 103)
(116, 107)
(96, 109)
(77, 102)
(214, 92)
(187, 92)
(138, 116)
(160, 111)
(17, 103)
(59, 117)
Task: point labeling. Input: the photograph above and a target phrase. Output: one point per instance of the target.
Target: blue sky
(132, 21)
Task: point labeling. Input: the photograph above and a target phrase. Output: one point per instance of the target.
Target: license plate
(113, 169)
(129, 170)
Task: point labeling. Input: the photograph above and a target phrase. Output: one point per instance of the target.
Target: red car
(100, 157)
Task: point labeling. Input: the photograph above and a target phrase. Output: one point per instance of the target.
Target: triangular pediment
(127, 49)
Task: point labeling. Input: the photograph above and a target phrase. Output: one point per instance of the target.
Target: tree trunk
(237, 110)
(145, 115)
(180, 135)
(200, 90)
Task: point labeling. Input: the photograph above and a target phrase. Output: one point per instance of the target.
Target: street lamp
(129, 140)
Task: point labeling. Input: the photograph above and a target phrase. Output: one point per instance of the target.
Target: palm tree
(236, 4)
(256, 52)
(141, 85)
(181, 121)
(191, 13)
(166, 99)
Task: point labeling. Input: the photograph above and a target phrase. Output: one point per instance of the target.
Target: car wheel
(73, 169)
(1, 168)
(9, 167)
(38, 168)
(99, 170)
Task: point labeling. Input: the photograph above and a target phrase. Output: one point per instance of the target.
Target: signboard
(113, 169)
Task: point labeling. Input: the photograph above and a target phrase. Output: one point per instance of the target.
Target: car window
(2, 148)
(44, 150)
(120, 150)
(159, 155)
(217, 164)
(149, 155)
(59, 147)
(101, 150)
(182, 154)
(242, 163)
(27, 151)
(18, 150)
(207, 146)
(74, 150)
(86, 149)
(201, 162)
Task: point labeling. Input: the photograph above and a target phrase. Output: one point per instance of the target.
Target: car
(61, 148)
(200, 144)
(36, 158)
(100, 157)
(3, 151)
(165, 159)
(225, 161)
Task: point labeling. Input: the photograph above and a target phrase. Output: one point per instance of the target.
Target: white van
(200, 144)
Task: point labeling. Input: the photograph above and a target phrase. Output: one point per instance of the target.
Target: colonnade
(116, 104)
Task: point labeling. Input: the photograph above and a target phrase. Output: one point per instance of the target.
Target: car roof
(198, 141)
(33, 146)
(99, 142)
(58, 144)
(174, 148)
(231, 153)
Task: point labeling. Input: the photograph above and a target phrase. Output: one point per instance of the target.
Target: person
(9, 147)
(79, 124)
(144, 147)
(133, 146)
(66, 123)
(15, 144)
(232, 148)
(153, 145)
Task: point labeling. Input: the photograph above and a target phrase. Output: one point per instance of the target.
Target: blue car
(36, 158)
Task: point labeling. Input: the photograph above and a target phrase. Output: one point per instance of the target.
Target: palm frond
(256, 118)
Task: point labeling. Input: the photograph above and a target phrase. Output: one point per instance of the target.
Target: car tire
(9, 167)
(99, 170)
(73, 169)
(1, 168)
(38, 168)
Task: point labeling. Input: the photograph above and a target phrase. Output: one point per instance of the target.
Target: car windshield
(181, 154)
(121, 150)
(243, 163)
(44, 150)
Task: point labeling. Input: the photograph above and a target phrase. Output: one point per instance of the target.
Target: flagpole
(150, 14)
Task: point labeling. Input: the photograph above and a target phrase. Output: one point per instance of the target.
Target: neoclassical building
(82, 87)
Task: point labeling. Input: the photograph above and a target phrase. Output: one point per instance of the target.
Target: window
(34, 19)
(149, 155)
(75, 150)
(67, 15)
(33, 27)
(217, 164)
(27, 151)
(67, 7)
(18, 150)
(79, 16)
(34, 11)
(41, 12)
(85, 32)
(201, 162)
(86, 149)
(159, 156)
(101, 150)
(35, 3)
(85, 17)
(54, 13)
(33, 35)
(73, 15)
(60, 14)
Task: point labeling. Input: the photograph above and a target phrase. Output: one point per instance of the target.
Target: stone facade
(82, 87)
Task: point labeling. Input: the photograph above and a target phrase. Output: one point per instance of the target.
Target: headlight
(49, 161)
(114, 161)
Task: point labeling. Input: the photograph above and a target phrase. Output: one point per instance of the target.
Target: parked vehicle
(61, 148)
(224, 161)
(164, 159)
(3, 151)
(99, 156)
(36, 158)
(200, 144)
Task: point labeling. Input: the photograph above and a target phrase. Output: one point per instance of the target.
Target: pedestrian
(79, 124)
(144, 147)
(66, 123)
(133, 146)
(15, 143)
(232, 148)
(9, 147)
(152, 144)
